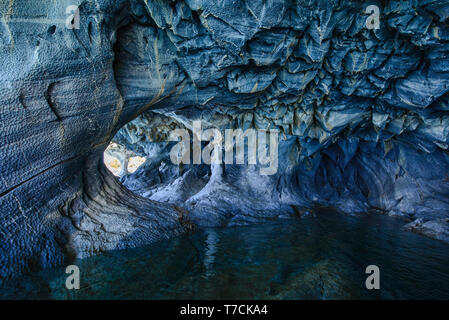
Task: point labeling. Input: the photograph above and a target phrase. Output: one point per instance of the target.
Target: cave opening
(233, 178)
(120, 161)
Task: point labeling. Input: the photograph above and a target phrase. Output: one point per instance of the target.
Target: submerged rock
(437, 229)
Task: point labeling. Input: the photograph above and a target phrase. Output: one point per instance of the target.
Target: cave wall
(60, 107)
(363, 112)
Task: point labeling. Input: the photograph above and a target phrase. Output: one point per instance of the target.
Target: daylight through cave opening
(120, 161)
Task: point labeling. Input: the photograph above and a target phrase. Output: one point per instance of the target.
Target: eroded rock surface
(363, 115)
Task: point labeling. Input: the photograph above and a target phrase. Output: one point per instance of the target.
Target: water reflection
(211, 248)
(321, 256)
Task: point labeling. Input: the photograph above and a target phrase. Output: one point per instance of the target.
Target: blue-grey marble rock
(363, 115)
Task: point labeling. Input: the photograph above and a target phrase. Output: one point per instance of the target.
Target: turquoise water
(320, 256)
